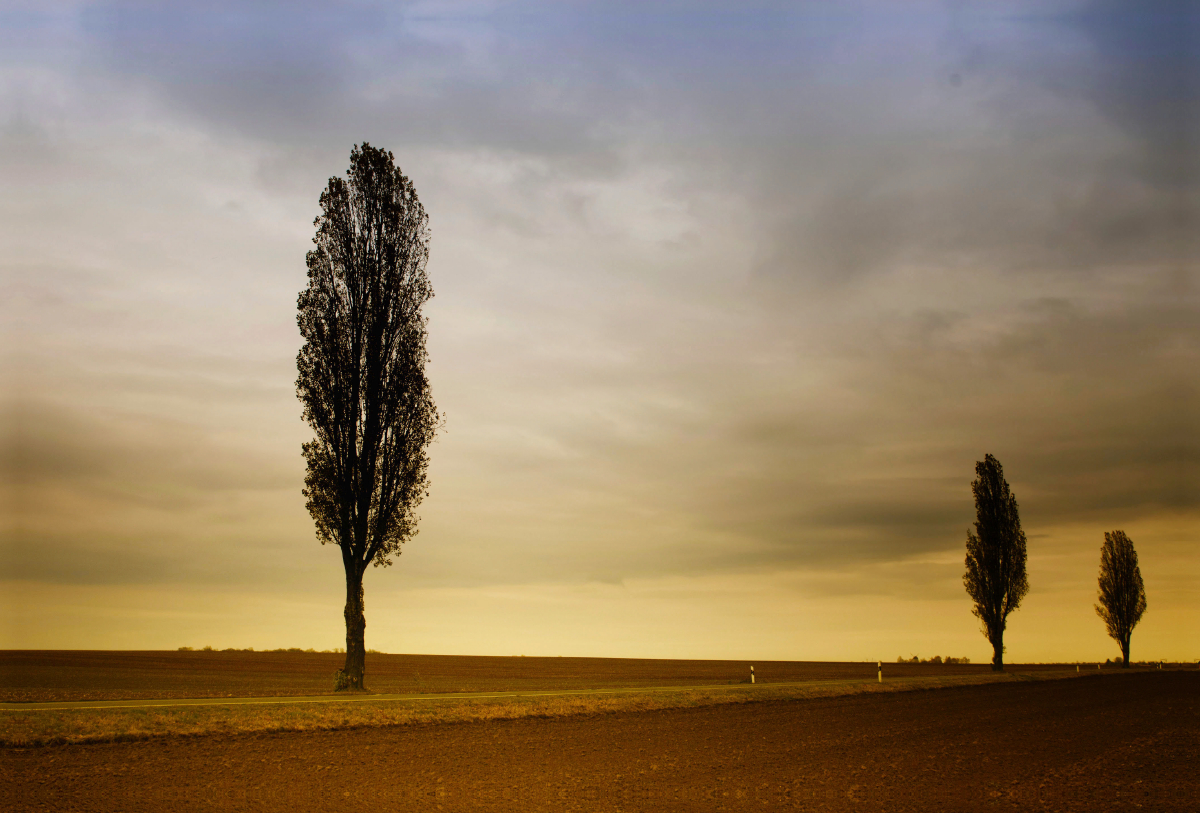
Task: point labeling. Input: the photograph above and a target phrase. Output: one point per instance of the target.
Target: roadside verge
(24, 725)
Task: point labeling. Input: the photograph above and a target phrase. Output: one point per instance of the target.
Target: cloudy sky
(730, 298)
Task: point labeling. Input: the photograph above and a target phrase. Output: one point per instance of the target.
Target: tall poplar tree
(362, 374)
(1122, 594)
(995, 577)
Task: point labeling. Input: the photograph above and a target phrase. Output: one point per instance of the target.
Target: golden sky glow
(728, 304)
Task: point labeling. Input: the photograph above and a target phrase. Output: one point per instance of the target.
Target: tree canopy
(1122, 594)
(362, 377)
(995, 576)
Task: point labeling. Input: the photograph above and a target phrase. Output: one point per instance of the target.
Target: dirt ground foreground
(1102, 742)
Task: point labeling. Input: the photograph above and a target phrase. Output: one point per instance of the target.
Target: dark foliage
(1122, 594)
(362, 373)
(995, 576)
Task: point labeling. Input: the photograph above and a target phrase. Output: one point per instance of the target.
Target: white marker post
(879, 666)
(751, 674)
(1077, 669)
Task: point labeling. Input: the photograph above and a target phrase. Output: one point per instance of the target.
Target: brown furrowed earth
(1112, 741)
(58, 723)
(142, 695)
(27, 675)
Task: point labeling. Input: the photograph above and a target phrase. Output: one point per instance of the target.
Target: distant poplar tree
(995, 577)
(362, 374)
(1122, 594)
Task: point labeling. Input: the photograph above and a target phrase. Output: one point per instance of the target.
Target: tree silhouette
(1122, 594)
(995, 576)
(362, 374)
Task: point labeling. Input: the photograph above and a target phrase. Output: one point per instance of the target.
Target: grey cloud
(98, 558)
(728, 464)
(1147, 77)
(245, 64)
(851, 143)
(167, 463)
(672, 450)
(104, 499)
(1066, 203)
(1024, 163)
(1091, 413)
(312, 76)
(169, 554)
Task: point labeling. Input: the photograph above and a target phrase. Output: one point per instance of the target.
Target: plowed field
(1100, 742)
(75, 675)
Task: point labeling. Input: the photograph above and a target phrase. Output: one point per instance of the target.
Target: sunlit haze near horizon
(729, 300)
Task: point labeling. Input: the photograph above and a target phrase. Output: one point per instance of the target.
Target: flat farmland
(149, 695)
(1110, 741)
(31, 676)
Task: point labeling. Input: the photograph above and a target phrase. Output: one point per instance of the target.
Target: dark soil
(80, 675)
(1110, 742)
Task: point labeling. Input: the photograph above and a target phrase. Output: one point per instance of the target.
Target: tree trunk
(1125, 652)
(356, 624)
(998, 651)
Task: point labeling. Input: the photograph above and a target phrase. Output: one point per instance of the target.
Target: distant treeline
(333, 651)
(934, 659)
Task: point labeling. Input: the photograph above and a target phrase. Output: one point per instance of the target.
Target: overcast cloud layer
(729, 300)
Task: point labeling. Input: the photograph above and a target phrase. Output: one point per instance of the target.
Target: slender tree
(362, 374)
(1122, 594)
(995, 576)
